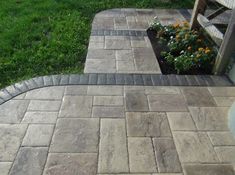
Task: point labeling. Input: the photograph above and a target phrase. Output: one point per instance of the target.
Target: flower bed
(180, 50)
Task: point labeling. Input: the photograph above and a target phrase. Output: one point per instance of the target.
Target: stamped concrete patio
(119, 41)
(93, 129)
(89, 130)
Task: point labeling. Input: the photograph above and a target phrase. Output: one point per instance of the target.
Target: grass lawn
(43, 37)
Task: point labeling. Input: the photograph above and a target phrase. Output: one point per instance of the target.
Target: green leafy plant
(188, 49)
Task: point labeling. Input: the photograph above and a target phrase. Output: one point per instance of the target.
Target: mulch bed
(165, 67)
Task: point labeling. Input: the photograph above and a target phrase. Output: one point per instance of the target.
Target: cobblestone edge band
(112, 79)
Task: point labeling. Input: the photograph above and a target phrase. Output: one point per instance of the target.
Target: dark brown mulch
(165, 67)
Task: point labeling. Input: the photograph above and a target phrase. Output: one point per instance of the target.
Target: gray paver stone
(11, 137)
(166, 155)
(151, 124)
(13, 111)
(194, 147)
(38, 135)
(71, 164)
(210, 169)
(108, 112)
(141, 157)
(136, 102)
(76, 106)
(75, 136)
(29, 161)
(113, 147)
(40, 117)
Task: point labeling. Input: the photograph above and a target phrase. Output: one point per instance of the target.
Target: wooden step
(230, 4)
(215, 34)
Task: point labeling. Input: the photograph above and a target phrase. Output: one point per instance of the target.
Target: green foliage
(41, 37)
(188, 49)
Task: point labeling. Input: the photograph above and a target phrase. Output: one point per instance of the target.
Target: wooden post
(199, 7)
(227, 48)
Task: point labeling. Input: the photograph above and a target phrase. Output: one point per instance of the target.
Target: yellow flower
(198, 55)
(200, 49)
(199, 40)
(186, 36)
(207, 51)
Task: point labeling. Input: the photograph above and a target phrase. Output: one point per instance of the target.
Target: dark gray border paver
(113, 79)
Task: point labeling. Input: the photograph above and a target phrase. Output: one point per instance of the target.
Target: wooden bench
(226, 41)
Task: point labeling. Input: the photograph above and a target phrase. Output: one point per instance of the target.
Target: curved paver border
(112, 79)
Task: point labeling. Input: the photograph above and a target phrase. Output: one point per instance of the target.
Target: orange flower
(186, 24)
(176, 25)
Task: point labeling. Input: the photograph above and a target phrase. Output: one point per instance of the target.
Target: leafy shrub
(187, 49)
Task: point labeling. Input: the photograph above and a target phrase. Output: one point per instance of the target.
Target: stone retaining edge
(112, 79)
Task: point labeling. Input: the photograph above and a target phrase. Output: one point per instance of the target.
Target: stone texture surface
(44, 105)
(107, 112)
(108, 101)
(210, 118)
(100, 54)
(49, 93)
(145, 147)
(100, 66)
(123, 55)
(169, 103)
(76, 107)
(139, 42)
(151, 124)
(125, 65)
(133, 48)
(141, 156)
(158, 90)
(166, 155)
(38, 135)
(216, 169)
(222, 138)
(117, 42)
(11, 137)
(105, 90)
(76, 90)
(136, 102)
(71, 164)
(113, 156)
(194, 147)
(80, 136)
(20, 97)
(13, 111)
(29, 161)
(226, 153)
(222, 92)
(224, 101)
(145, 60)
(5, 168)
(40, 117)
(76, 136)
(181, 121)
(198, 97)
